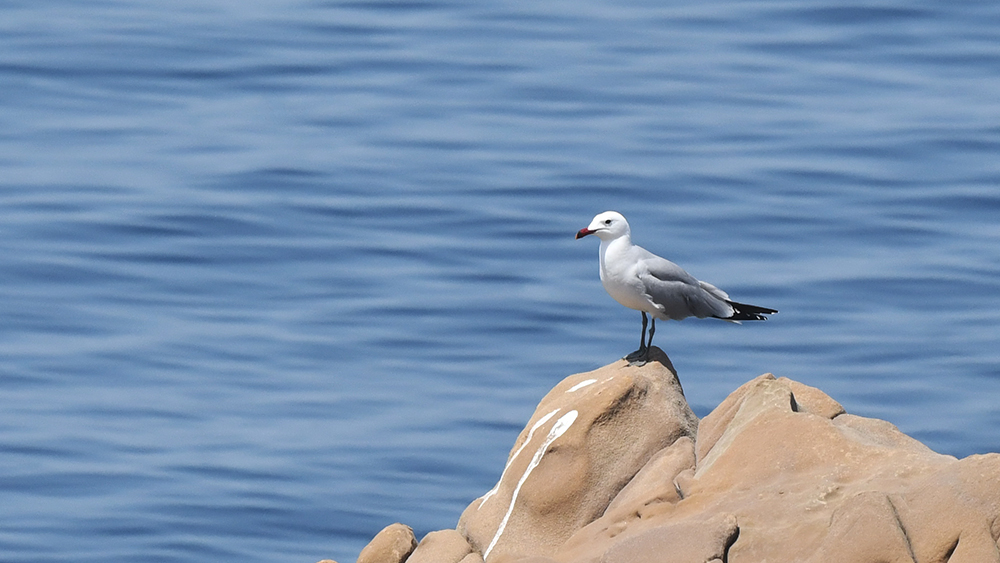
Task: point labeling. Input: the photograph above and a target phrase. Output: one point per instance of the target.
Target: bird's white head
(606, 226)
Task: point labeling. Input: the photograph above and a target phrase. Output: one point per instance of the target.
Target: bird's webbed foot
(638, 358)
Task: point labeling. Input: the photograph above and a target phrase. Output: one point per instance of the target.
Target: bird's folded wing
(714, 290)
(665, 270)
(678, 299)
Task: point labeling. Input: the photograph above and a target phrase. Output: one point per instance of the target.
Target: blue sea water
(274, 275)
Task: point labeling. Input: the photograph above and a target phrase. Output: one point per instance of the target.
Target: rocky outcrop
(587, 439)
(613, 467)
(445, 546)
(393, 544)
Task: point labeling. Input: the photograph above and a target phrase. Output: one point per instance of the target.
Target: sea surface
(276, 274)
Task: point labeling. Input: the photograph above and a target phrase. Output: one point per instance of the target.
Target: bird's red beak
(583, 232)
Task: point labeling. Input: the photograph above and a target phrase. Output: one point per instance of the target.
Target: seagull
(641, 280)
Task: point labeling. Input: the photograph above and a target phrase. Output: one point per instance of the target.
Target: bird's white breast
(620, 278)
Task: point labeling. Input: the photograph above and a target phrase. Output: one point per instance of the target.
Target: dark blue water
(276, 274)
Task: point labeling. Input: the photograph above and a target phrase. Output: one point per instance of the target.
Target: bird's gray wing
(714, 290)
(677, 293)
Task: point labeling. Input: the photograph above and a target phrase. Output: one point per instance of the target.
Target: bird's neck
(612, 248)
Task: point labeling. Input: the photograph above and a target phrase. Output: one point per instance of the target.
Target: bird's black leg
(642, 335)
(652, 329)
(640, 354)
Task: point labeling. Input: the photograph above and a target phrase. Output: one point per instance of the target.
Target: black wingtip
(744, 312)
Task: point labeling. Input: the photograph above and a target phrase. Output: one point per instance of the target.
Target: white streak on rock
(531, 432)
(558, 429)
(581, 385)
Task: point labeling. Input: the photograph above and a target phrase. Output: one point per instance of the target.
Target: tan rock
(587, 439)
(609, 470)
(655, 482)
(865, 528)
(392, 545)
(804, 484)
(812, 400)
(952, 514)
(682, 542)
(445, 546)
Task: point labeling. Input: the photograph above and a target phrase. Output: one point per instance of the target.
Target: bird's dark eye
(607, 221)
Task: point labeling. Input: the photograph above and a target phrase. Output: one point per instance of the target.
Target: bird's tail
(744, 312)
